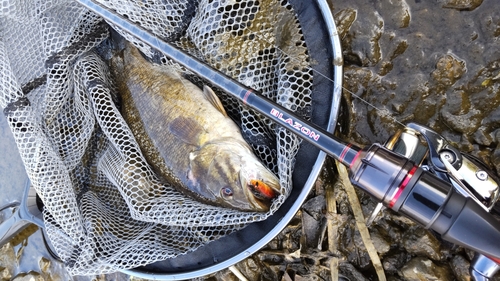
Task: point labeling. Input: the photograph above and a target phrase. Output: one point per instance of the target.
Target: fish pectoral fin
(213, 99)
(187, 130)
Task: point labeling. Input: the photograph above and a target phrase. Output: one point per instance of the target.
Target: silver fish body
(187, 138)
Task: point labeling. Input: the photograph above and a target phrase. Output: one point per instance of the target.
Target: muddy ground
(436, 63)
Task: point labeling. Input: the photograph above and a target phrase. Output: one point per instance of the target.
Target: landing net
(62, 107)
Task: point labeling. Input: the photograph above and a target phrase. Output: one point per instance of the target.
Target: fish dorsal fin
(213, 99)
(187, 130)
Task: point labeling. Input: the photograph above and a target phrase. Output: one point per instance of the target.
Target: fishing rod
(424, 195)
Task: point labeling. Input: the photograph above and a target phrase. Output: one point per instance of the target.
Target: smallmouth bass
(187, 137)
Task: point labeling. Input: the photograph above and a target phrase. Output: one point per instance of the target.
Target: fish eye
(227, 191)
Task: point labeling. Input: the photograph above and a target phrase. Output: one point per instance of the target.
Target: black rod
(335, 147)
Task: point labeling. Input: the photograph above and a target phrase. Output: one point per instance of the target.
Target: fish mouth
(261, 193)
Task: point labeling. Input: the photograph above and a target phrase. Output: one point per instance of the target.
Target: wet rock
(466, 123)
(395, 14)
(5, 273)
(448, 70)
(344, 20)
(313, 220)
(381, 245)
(394, 262)
(270, 273)
(441, 70)
(357, 80)
(463, 144)
(482, 138)
(422, 269)
(457, 102)
(460, 5)
(483, 90)
(421, 242)
(290, 237)
(250, 268)
(270, 258)
(350, 272)
(495, 158)
(460, 268)
(315, 207)
(298, 269)
(363, 39)
(225, 275)
(388, 229)
(490, 126)
(310, 228)
(353, 247)
(398, 50)
(312, 277)
(401, 221)
(394, 278)
(343, 206)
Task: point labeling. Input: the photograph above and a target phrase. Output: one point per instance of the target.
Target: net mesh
(62, 106)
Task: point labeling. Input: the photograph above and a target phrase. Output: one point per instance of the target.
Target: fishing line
(260, 38)
(263, 40)
(316, 135)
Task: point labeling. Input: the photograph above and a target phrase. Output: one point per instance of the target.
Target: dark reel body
(464, 191)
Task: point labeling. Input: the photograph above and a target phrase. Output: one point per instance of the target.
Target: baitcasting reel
(468, 176)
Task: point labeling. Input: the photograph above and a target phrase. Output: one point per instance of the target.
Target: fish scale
(187, 141)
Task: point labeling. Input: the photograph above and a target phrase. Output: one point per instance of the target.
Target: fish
(187, 138)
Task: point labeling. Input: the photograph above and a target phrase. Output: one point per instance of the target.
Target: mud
(436, 63)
